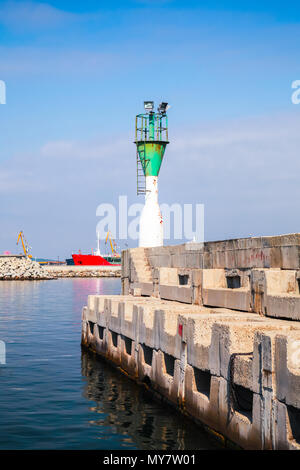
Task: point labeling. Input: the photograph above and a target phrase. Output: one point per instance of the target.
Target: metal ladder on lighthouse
(140, 176)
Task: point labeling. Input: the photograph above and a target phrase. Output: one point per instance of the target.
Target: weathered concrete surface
(258, 252)
(198, 357)
(213, 330)
(260, 275)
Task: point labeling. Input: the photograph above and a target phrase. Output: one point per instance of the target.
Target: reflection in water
(100, 285)
(131, 410)
(53, 396)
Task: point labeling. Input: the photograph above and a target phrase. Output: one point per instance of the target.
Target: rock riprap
(15, 267)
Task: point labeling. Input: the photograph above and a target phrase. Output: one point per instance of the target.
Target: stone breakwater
(21, 268)
(83, 271)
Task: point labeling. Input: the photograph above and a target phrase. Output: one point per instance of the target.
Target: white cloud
(13, 182)
(77, 150)
(54, 62)
(58, 163)
(268, 144)
(33, 15)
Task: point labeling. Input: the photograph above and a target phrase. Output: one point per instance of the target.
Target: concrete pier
(212, 330)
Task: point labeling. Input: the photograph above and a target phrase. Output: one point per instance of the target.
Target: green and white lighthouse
(151, 139)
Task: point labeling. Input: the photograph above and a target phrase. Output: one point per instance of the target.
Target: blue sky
(78, 72)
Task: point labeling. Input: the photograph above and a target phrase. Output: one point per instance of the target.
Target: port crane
(26, 247)
(112, 242)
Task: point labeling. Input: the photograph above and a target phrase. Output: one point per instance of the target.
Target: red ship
(96, 259)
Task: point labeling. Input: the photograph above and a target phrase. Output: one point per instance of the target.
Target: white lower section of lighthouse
(151, 223)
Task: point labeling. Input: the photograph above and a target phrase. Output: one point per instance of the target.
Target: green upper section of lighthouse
(151, 137)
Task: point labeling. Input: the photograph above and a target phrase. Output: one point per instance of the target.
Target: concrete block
(283, 306)
(178, 261)
(236, 299)
(202, 407)
(213, 278)
(125, 263)
(197, 295)
(263, 361)
(198, 341)
(193, 260)
(243, 430)
(162, 260)
(176, 293)
(286, 434)
(165, 376)
(128, 357)
(84, 313)
(92, 300)
(125, 286)
(100, 339)
(146, 288)
(243, 258)
(218, 259)
(92, 306)
(146, 364)
(287, 368)
(281, 367)
(196, 277)
(258, 291)
(146, 328)
(113, 352)
(84, 325)
(137, 292)
(290, 257)
(168, 339)
(280, 281)
(276, 257)
(229, 338)
(243, 371)
(129, 320)
(168, 276)
(103, 311)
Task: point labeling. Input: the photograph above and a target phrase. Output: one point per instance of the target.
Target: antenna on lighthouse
(151, 139)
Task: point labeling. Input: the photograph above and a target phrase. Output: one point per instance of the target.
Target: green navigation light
(151, 138)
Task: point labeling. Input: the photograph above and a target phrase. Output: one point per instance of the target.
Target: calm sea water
(55, 396)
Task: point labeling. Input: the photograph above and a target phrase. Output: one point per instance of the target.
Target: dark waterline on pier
(55, 396)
